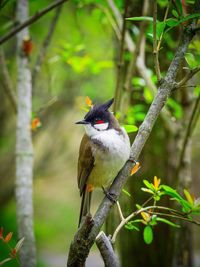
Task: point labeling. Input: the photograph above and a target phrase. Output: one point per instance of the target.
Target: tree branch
(45, 44)
(188, 76)
(143, 134)
(6, 81)
(129, 42)
(30, 20)
(155, 50)
(121, 60)
(106, 250)
(132, 66)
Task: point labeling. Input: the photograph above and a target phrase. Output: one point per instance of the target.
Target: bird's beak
(82, 122)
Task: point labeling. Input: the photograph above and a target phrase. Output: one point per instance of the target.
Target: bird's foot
(132, 160)
(110, 196)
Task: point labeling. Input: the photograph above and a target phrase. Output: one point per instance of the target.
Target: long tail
(85, 205)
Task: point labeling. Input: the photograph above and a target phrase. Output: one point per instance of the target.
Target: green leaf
(131, 226)
(188, 197)
(175, 13)
(148, 95)
(171, 192)
(140, 116)
(130, 128)
(176, 107)
(167, 222)
(172, 22)
(197, 90)
(156, 197)
(148, 235)
(147, 190)
(191, 60)
(138, 206)
(142, 18)
(148, 185)
(126, 192)
(180, 8)
(137, 81)
(137, 221)
(153, 220)
(160, 26)
(192, 16)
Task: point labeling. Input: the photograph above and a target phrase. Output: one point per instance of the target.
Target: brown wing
(85, 162)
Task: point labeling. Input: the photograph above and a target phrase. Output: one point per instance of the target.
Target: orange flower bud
(8, 237)
(27, 46)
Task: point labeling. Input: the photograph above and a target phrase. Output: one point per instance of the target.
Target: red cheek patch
(100, 122)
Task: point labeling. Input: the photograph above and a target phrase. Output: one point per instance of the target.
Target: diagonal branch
(188, 76)
(31, 20)
(121, 60)
(145, 129)
(45, 44)
(129, 42)
(155, 49)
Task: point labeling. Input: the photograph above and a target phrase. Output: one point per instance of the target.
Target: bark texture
(24, 150)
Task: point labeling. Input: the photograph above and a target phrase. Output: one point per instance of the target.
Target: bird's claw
(110, 196)
(132, 160)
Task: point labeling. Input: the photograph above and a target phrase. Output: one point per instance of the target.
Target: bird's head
(99, 118)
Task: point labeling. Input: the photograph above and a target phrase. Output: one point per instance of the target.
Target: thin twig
(132, 65)
(6, 81)
(155, 50)
(45, 44)
(129, 42)
(187, 77)
(164, 20)
(188, 133)
(120, 211)
(31, 20)
(175, 217)
(121, 60)
(128, 218)
(110, 19)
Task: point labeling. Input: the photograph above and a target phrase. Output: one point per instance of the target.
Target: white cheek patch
(101, 126)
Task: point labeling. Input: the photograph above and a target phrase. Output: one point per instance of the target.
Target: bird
(104, 149)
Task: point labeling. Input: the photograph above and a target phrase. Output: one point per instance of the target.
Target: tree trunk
(24, 150)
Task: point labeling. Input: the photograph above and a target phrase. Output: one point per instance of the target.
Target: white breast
(110, 157)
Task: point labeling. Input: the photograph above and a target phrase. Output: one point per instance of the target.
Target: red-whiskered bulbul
(104, 149)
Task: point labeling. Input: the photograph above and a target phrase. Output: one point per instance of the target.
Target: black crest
(99, 110)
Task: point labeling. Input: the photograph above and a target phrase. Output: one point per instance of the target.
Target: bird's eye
(99, 121)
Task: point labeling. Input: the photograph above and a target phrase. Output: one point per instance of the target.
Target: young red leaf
(27, 46)
(35, 123)
(135, 168)
(88, 101)
(8, 237)
(1, 233)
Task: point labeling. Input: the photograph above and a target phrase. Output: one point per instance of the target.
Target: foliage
(13, 252)
(154, 214)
